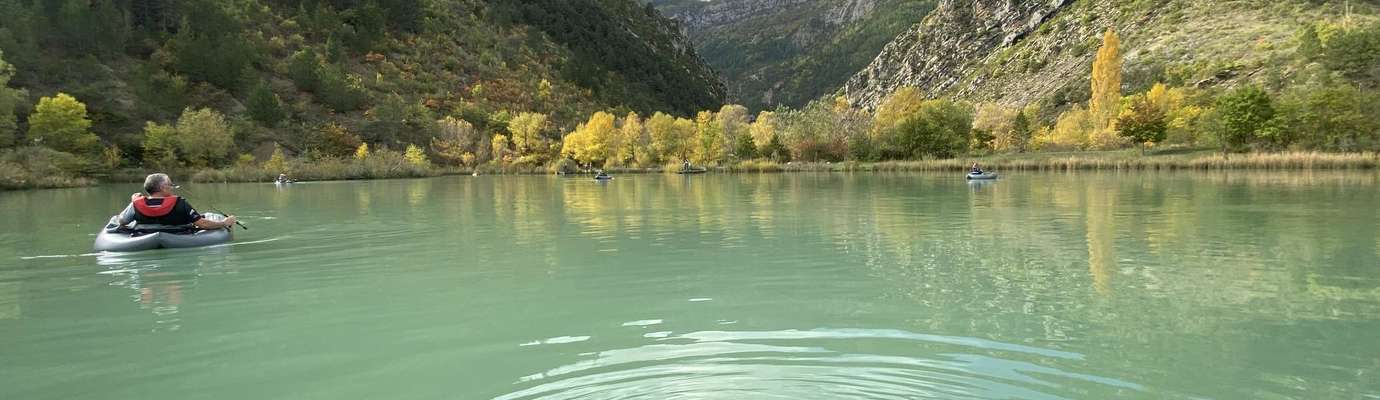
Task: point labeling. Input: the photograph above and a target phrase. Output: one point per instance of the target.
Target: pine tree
(265, 106)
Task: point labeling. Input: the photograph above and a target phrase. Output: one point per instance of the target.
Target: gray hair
(154, 182)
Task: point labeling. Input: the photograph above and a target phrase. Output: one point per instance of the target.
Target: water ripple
(814, 364)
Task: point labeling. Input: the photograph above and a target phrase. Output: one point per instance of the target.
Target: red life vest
(142, 206)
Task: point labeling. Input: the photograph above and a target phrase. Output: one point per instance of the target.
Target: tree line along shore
(1326, 118)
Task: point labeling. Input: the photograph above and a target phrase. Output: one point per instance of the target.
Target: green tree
(1244, 111)
(10, 99)
(60, 123)
(940, 129)
(265, 106)
(1333, 118)
(1021, 131)
(776, 150)
(1143, 122)
(204, 137)
(160, 146)
(745, 148)
(303, 67)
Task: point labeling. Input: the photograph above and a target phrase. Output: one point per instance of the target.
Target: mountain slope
(788, 52)
(1018, 53)
(382, 70)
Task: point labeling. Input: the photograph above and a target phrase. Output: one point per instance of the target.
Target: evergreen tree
(265, 106)
(209, 47)
(1020, 130)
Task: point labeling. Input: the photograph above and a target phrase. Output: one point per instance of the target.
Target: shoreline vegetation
(1323, 115)
(1122, 160)
(394, 166)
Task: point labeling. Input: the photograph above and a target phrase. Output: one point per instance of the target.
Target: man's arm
(127, 215)
(208, 224)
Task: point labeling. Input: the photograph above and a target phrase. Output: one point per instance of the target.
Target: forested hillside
(125, 83)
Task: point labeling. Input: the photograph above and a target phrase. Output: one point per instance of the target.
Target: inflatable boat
(981, 176)
(114, 237)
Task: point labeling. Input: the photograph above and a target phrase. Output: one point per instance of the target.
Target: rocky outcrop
(721, 13)
(936, 54)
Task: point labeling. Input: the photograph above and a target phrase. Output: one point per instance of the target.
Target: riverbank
(391, 168)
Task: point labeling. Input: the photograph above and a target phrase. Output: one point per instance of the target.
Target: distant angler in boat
(976, 173)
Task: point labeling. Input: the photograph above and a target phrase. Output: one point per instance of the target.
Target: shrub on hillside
(38, 167)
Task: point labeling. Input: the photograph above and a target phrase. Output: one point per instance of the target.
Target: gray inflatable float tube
(113, 237)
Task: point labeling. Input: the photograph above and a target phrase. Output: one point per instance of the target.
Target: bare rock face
(720, 13)
(937, 54)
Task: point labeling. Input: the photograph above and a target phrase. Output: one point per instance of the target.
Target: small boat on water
(685, 171)
(114, 237)
(603, 177)
(981, 176)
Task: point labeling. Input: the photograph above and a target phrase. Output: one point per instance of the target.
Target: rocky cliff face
(936, 54)
(722, 13)
(1018, 52)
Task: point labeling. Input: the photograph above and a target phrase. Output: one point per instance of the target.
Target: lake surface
(1230, 285)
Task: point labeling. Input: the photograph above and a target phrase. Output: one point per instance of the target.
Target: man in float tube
(161, 207)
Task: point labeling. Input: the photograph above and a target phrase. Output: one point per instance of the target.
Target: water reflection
(160, 281)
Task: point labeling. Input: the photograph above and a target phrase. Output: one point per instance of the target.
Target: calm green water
(1039, 286)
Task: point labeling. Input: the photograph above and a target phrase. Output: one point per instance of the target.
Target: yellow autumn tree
(526, 129)
(902, 104)
(1105, 104)
(1106, 81)
(362, 152)
(763, 129)
(588, 144)
(631, 142)
(669, 143)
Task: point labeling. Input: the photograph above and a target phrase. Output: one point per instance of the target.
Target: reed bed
(1095, 161)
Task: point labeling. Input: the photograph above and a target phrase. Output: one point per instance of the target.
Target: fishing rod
(213, 207)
